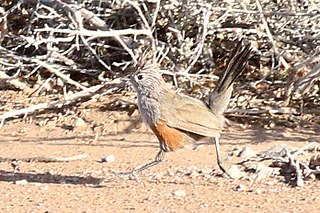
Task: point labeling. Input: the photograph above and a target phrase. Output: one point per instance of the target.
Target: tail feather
(220, 97)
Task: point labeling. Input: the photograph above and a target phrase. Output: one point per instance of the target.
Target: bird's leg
(219, 161)
(158, 159)
(133, 173)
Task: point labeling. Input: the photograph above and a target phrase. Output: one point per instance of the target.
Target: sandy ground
(187, 181)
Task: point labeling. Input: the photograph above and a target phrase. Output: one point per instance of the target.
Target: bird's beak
(126, 79)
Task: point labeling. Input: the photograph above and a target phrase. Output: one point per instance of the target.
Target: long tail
(220, 97)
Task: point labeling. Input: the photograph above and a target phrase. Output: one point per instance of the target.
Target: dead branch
(59, 74)
(201, 41)
(270, 36)
(53, 104)
(43, 159)
(266, 13)
(296, 166)
(80, 42)
(96, 34)
(287, 159)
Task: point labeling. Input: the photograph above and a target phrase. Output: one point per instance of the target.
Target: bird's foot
(133, 175)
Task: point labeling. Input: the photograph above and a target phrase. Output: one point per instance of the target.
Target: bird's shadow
(15, 177)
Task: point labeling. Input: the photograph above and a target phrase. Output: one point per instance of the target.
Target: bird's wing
(189, 114)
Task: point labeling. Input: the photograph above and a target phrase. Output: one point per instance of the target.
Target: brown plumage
(178, 119)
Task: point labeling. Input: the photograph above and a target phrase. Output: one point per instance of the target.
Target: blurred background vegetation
(63, 52)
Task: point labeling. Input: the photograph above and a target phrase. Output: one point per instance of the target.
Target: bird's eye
(140, 77)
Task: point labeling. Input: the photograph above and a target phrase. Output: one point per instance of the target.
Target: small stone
(156, 177)
(171, 173)
(258, 191)
(240, 188)
(269, 183)
(193, 168)
(22, 130)
(179, 193)
(263, 171)
(314, 162)
(235, 151)
(272, 125)
(108, 158)
(207, 176)
(247, 153)
(242, 98)
(79, 124)
(21, 182)
(234, 172)
(312, 177)
(300, 182)
(194, 174)
(206, 171)
(148, 198)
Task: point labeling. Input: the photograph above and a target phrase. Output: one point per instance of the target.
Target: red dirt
(75, 186)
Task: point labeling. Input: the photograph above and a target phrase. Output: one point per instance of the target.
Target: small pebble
(300, 182)
(204, 205)
(247, 153)
(314, 162)
(148, 198)
(194, 174)
(79, 125)
(206, 171)
(207, 176)
(258, 191)
(262, 172)
(179, 193)
(235, 151)
(108, 158)
(242, 98)
(234, 172)
(269, 183)
(20, 182)
(240, 188)
(313, 177)
(171, 173)
(156, 177)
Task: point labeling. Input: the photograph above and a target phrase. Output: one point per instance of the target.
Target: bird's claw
(130, 175)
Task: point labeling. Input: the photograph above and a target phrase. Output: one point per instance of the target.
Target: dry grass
(56, 48)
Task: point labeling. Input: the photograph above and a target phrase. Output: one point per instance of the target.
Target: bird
(178, 120)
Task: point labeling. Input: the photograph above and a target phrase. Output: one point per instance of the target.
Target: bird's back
(190, 115)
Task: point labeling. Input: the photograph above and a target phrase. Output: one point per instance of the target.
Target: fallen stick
(53, 104)
(54, 159)
(97, 34)
(58, 73)
(43, 159)
(315, 145)
(202, 40)
(265, 13)
(296, 166)
(270, 36)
